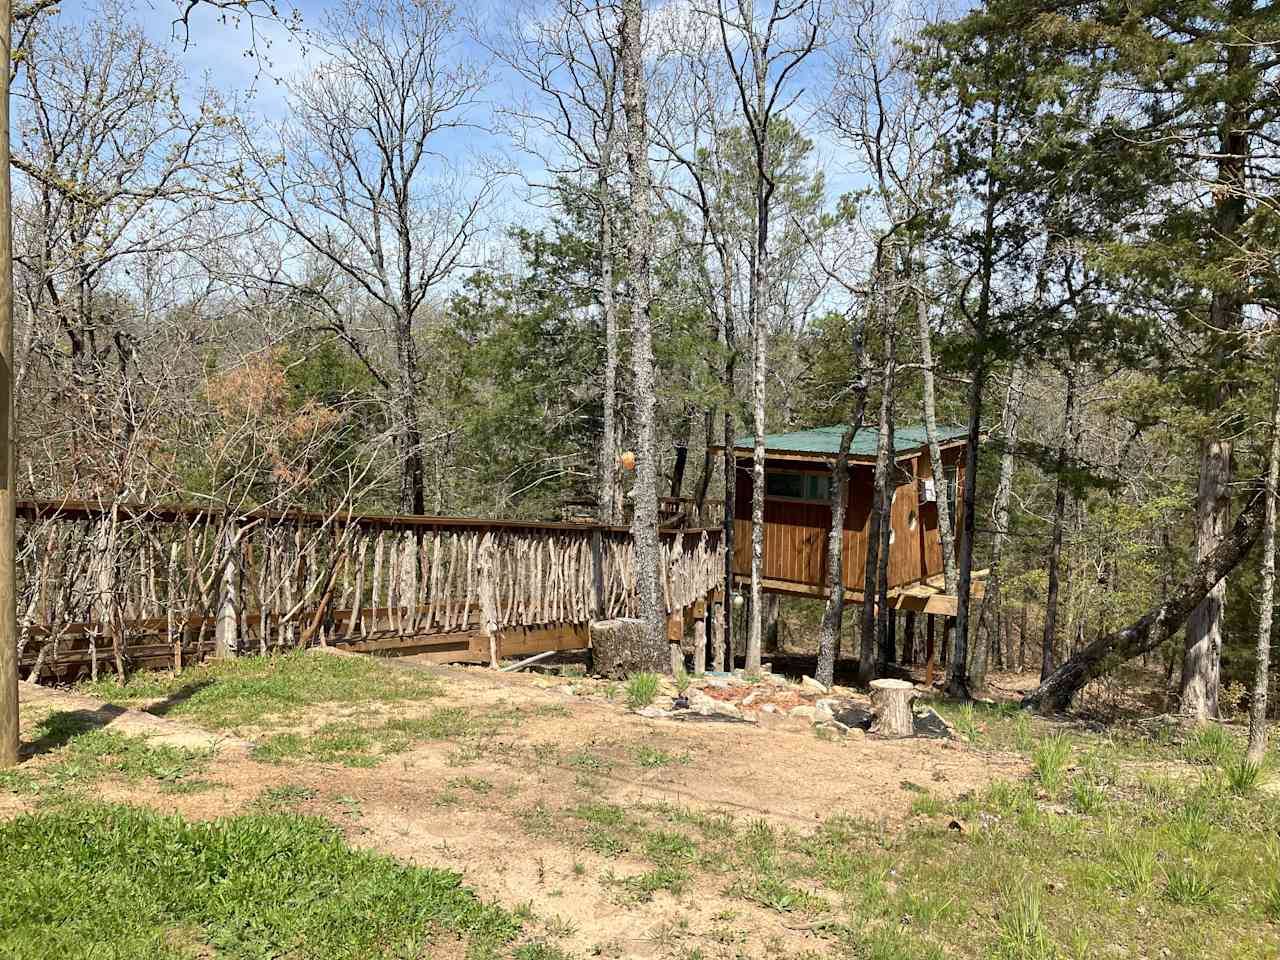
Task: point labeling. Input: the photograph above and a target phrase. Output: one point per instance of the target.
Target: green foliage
(642, 689)
(105, 882)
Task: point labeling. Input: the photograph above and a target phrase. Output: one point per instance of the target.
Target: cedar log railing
(122, 584)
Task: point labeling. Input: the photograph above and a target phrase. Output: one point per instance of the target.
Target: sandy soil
(507, 839)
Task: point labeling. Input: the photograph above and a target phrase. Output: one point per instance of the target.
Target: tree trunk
(1262, 667)
(644, 523)
(991, 606)
(833, 614)
(730, 465)
(871, 573)
(891, 708)
(620, 648)
(8, 455)
(1055, 547)
(946, 530)
(1157, 625)
(1203, 641)
(608, 479)
(958, 668)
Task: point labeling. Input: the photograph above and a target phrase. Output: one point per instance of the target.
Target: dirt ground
(507, 841)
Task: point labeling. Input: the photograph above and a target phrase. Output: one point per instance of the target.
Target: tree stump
(620, 648)
(891, 708)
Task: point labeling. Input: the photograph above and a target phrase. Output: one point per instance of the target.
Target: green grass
(1049, 761)
(80, 754)
(107, 882)
(642, 689)
(229, 694)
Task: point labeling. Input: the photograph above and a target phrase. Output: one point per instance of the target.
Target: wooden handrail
(33, 509)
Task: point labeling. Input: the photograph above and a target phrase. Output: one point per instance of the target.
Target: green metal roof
(825, 441)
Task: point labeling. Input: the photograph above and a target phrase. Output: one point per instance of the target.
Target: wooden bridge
(120, 585)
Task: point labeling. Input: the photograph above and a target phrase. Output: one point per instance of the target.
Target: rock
(802, 712)
(840, 691)
(750, 698)
(822, 715)
(855, 733)
(808, 683)
(717, 682)
(828, 703)
(567, 690)
(653, 713)
(832, 727)
(777, 679)
(725, 709)
(770, 708)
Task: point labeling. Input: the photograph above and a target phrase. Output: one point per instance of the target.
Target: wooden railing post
(597, 574)
(227, 629)
(700, 637)
(488, 589)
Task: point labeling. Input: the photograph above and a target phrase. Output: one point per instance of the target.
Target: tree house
(797, 513)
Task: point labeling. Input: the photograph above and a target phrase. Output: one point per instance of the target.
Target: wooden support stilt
(718, 613)
(675, 633)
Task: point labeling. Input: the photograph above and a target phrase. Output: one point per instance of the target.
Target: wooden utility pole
(8, 520)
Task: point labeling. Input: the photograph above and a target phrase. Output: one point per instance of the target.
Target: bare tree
(358, 182)
(568, 54)
(763, 53)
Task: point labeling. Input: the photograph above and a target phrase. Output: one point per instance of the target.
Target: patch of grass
(1087, 797)
(652, 757)
(1133, 866)
(1022, 931)
(111, 883)
(1271, 901)
(966, 723)
(285, 796)
(228, 694)
(642, 689)
(1211, 744)
(1243, 776)
(1049, 761)
(1190, 886)
(89, 754)
(683, 681)
(591, 762)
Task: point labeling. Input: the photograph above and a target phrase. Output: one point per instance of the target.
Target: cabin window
(793, 485)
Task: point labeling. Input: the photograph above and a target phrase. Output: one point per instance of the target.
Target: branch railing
(117, 583)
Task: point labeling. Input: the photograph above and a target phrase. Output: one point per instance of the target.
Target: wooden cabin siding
(796, 530)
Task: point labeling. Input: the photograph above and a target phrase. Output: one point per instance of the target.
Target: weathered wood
(623, 646)
(891, 708)
(227, 633)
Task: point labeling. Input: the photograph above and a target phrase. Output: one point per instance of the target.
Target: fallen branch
(1156, 626)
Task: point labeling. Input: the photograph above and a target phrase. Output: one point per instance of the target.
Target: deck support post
(930, 654)
(717, 632)
(700, 637)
